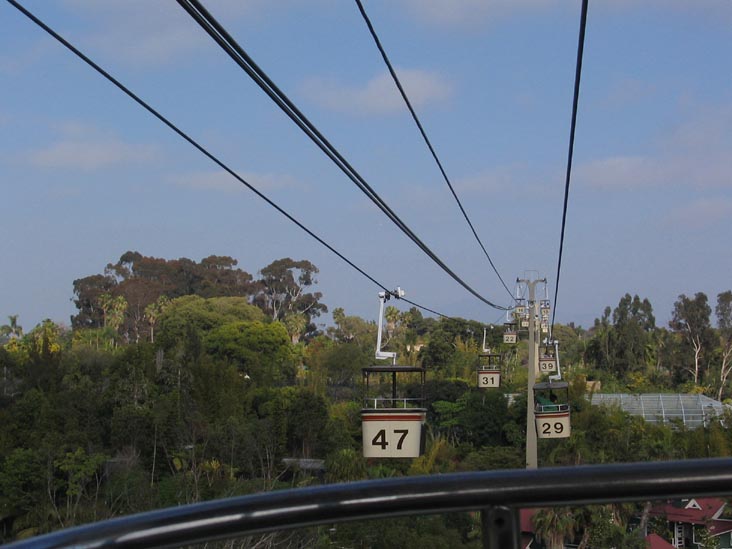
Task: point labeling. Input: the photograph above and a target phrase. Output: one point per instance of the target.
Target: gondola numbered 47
(392, 426)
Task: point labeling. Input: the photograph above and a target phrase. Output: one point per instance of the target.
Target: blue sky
(87, 174)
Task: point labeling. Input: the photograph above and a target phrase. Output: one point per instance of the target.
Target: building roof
(692, 511)
(527, 527)
(526, 516)
(657, 542)
(693, 410)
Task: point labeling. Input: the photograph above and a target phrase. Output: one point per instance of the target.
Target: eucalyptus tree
(691, 320)
(723, 311)
(284, 289)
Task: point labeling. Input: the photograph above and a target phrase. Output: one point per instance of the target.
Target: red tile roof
(657, 542)
(679, 510)
(718, 527)
(526, 515)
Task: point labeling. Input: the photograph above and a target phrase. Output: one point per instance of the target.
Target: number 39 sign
(392, 434)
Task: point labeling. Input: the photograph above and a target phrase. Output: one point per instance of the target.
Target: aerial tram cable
(241, 58)
(203, 150)
(426, 139)
(575, 101)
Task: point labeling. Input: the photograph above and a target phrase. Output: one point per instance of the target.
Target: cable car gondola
(391, 426)
(510, 335)
(489, 370)
(548, 359)
(551, 409)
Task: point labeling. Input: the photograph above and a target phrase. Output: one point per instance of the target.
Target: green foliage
(345, 465)
(102, 422)
(194, 314)
(259, 350)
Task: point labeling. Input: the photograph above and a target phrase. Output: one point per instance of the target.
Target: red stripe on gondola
(392, 417)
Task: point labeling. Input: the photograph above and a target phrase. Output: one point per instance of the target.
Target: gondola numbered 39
(547, 359)
(551, 409)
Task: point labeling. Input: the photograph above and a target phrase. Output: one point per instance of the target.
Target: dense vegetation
(181, 381)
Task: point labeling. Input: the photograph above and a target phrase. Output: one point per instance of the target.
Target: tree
(13, 329)
(691, 321)
(553, 525)
(723, 311)
(284, 286)
(262, 351)
(153, 312)
(194, 314)
(633, 322)
(142, 280)
(295, 323)
(87, 291)
(352, 329)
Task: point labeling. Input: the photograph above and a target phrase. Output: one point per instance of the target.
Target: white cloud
(474, 14)
(627, 91)
(720, 10)
(138, 32)
(702, 213)
(622, 171)
(486, 182)
(380, 95)
(224, 181)
(468, 13)
(693, 154)
(90, 154)
(145, 33)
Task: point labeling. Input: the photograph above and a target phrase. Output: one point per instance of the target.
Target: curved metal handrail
(287, 509)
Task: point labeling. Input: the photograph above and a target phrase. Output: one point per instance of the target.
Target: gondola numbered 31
(489, 370)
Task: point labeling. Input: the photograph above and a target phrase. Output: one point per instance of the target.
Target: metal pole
(532, 460)
(501, 528)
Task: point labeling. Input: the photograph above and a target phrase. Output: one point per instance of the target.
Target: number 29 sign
(553, 425)
(392, 435)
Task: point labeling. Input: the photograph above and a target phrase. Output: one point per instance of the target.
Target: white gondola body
(509, 337)
(488, 379)
(392, 432)
(547, 365)
(553, 424)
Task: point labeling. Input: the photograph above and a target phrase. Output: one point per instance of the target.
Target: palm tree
(553, 525)
(295, 323)
(392, 315)
(153, 312)
(12, 330)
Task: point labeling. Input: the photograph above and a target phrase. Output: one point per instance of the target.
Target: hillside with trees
(182, 381)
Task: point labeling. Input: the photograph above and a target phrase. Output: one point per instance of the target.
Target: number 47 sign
(392, 435)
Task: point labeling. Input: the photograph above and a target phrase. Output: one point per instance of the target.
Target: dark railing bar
(326, 504)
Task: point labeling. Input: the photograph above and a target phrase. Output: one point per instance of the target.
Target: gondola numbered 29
(551, 409)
